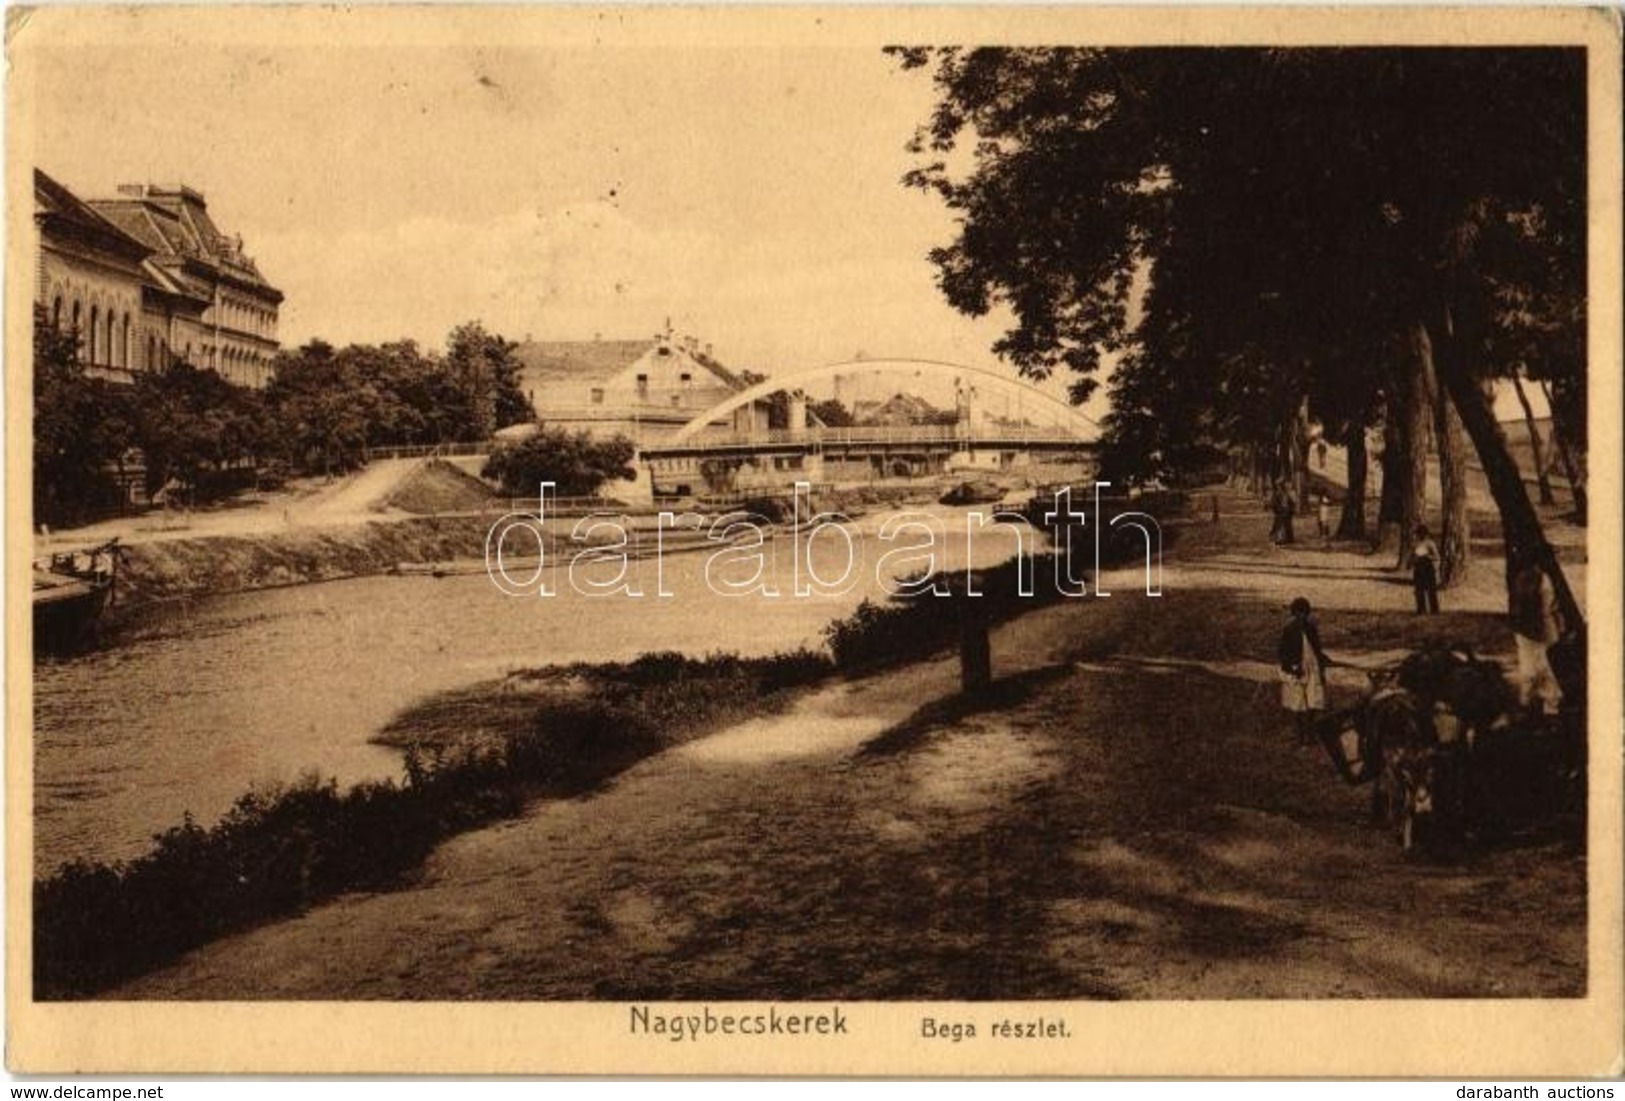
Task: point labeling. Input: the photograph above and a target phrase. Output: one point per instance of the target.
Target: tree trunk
(1561, 435)
(1300, 452)
(975, 650)
(1285, 480)
(1518, 517)
(1454, 536)
(1351, 525)
(1409, 471)
(1541, 480)
(1395, 459)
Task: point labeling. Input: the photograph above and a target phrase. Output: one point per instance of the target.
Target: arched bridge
(729, 444)
(1083, 427)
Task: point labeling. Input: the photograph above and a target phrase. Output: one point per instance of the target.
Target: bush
(575, 462)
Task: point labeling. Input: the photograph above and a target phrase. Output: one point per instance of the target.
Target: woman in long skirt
(1303, 670)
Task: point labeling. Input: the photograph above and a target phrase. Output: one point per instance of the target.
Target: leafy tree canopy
(575, 462)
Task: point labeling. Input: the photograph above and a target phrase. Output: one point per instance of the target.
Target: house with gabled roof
(644, 389)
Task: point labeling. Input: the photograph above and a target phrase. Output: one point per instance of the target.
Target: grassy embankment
(443, 520)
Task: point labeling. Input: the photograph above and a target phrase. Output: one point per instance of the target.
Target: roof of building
(56, 203)
(579, 361)
(895, 410)
(175, 224)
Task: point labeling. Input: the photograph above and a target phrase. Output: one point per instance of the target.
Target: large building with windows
(147, 279)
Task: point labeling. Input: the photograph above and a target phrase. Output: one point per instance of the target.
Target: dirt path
(348, 499)
(1124, 817)
(356, 495)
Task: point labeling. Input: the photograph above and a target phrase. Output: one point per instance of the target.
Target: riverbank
(557, 733)
(471, 756)
(214, 565)
(1126, 815)
(219, 563)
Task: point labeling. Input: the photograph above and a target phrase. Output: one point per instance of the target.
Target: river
(195, 705)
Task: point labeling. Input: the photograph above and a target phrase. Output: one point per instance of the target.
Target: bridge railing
(426, 450)
(556, 506)
(871, 434)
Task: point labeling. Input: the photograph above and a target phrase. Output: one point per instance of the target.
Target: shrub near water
(277, 852)
(877, 635)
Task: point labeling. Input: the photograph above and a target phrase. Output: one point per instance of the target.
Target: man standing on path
(1425, 572)
(1281, 510)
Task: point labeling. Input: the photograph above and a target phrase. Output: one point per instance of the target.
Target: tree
(1288, 210)
(484, 366)
(192, 425)
(323, 409)
(1543, 481)
(576, 463)
(832, 412)
(81, 428)
(1455, 540)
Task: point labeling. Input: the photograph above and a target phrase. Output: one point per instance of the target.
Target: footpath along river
(197, 704)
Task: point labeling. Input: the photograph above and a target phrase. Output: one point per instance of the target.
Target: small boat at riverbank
(972, 493)
(71, 590)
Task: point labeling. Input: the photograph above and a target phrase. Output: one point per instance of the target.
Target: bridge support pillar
(798, 413)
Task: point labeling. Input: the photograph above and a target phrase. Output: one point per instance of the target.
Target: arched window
(76, 314)
(152, 352)
(95, 333)
(125, 351)
(56, 312)
(109, 348)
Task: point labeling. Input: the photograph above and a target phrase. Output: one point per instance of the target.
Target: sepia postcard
(925, 541)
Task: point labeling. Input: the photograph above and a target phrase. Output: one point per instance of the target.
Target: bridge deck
(929, 437)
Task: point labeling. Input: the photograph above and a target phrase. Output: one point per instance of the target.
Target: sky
(749, 194)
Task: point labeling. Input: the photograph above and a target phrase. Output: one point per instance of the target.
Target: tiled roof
(172, 277)
(578, 360)
(55, 200)
(132, 218)
(177, 230)
(727, 376)
(597, 360)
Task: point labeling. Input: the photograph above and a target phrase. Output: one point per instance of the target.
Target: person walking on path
(1281, 510)
(1536, 624)
(1303, 670)
(1425, 572)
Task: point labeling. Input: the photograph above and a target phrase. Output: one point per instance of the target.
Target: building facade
(642, 389)
(148, 279)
